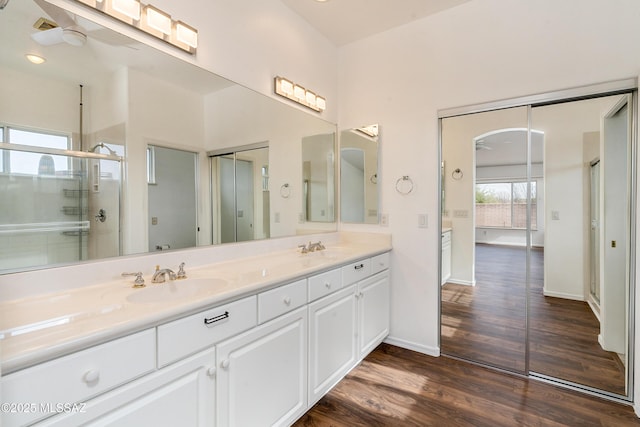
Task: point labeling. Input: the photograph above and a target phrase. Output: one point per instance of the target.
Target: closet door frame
(625, 86)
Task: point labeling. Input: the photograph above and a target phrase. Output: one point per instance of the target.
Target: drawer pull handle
(359, 266)
(328, 285)
(217, 318)
(287, 300)
(211, 371)
(91, 377)
(225, 364)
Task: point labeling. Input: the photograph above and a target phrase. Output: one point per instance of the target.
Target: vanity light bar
(290, 90)
(149, 19)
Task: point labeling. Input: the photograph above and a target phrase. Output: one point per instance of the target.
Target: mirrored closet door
(538, 207)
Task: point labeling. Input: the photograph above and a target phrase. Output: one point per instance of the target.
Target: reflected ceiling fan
(63, 28)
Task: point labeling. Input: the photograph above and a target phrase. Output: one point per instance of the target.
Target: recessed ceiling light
(35, 59)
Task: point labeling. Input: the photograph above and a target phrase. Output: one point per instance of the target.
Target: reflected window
(18, 162)
(504, 204)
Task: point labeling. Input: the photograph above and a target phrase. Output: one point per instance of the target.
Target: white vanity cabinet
(76, 378)
(373, 312)
(332, 340)
(346, 325)
(182, 394)
(262, 374)
(259, 360)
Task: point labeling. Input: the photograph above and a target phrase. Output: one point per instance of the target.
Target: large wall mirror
(359, 191)
(537, 224)
(77, 132)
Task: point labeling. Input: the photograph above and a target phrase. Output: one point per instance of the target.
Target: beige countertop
(42, 327)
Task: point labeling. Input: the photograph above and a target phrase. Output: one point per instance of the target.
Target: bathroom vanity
(263, 343)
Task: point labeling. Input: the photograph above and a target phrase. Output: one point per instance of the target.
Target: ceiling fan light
(74, 36)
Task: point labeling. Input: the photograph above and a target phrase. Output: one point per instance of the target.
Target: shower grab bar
(38, 227)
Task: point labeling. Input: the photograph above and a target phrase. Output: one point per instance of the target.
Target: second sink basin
(175, 290)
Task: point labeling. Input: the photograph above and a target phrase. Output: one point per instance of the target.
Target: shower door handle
(101, 216)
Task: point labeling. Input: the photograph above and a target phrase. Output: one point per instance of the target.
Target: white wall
(477, 52)
(164, 115)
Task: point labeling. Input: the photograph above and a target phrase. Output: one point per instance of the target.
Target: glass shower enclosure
(58, 206)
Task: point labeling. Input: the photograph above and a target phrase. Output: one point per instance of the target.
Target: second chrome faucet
(160, 275)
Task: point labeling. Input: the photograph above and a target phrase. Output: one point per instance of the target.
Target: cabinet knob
(327, 285)
(211, 371)
(225, 364)
(287, 300)
(91, 376)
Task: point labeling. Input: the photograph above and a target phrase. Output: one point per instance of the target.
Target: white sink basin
(175, 290)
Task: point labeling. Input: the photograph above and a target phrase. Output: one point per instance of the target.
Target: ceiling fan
(66, 30)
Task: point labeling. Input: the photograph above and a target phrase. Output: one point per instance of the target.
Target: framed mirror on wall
(541, 224)
(359, 190)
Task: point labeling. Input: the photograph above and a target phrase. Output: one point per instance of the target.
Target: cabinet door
(182, 394)
(332, 341)
(262, 374)
(373, 312)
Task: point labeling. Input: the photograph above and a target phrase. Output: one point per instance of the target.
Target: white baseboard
(636, 408)
(563, 295)
(429, 351)
(461, 282)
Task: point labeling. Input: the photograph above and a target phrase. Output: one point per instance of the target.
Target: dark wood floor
(398, 387)
(486, 323)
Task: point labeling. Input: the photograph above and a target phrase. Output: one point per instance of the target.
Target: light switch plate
(423, 221)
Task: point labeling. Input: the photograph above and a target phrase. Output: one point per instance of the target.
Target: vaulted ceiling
(345, 21)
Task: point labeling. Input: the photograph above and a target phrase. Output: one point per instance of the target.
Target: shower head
(101, 145)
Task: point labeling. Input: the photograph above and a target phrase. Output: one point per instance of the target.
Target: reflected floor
(485, 323)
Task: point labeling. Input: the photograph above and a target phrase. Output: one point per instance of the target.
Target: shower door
(540, 202)
(58, 206)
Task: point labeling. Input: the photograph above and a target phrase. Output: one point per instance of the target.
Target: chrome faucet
(160, 276)
(318, 246)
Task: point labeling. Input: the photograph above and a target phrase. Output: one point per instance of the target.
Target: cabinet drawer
(283, 299)
(379, 263)
(77, 377)
(185, 336)
(356, 271)
(325, 283)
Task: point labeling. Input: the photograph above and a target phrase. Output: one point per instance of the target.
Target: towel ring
(457, 174)
(285, 191)
(404, 185)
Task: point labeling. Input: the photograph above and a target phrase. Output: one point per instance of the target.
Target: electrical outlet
(384, 220)
(555, 215)
(277, 218)
(301, 218)
(423, 221)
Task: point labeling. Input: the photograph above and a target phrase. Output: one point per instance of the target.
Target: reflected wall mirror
(537, 223)
(132, 97)
(359, 175)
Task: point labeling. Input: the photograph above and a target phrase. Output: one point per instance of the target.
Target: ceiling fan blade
(60, 16)
(48, 37)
